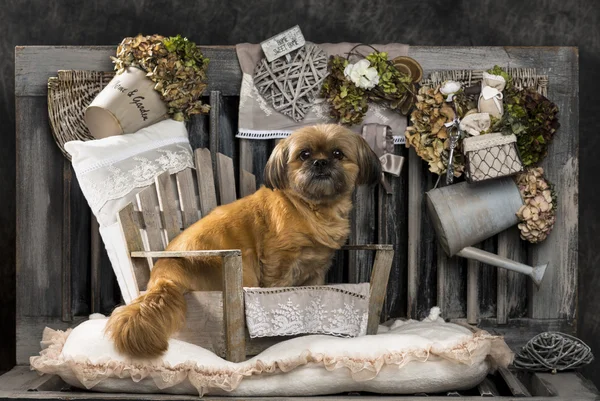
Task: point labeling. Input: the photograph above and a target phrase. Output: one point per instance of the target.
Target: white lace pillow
(112, 171)
(406, 358)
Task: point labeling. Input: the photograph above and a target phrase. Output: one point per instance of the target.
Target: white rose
(449, 88)
(362, 74)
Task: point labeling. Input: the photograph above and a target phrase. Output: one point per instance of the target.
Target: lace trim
(280, 134)
(260, 290)
(492, 76)
(487, 141)
(51, 361)
(130, 152)
(338, 311)
(117, 180)
(399, 140)
(254, 134)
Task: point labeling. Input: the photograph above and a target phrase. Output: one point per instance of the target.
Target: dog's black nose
(320, 162)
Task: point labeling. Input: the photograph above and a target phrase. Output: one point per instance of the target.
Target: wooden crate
(63, 273)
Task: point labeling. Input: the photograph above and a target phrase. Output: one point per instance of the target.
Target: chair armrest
(186, 254)
(368, 247)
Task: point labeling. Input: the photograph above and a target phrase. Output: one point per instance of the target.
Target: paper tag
(283, 43)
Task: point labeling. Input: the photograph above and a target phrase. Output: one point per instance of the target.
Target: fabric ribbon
(492, 93)
(380, 139)
(490, 99)
(474, 123)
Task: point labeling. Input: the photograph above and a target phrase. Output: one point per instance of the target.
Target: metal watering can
(466, 214)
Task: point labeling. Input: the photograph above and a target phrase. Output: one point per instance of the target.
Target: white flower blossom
(449, 88)
(362, 74)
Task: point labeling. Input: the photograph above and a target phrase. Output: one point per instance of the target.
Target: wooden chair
(173, 203)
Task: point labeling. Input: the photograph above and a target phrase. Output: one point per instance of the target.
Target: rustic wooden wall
(226, 22)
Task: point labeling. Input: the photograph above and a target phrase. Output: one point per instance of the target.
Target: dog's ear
(276, 168)
(368, 162)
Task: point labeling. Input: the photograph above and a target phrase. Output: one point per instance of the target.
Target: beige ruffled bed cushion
(404, 358)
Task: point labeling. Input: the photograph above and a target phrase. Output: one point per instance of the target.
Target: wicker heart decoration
(291, 87)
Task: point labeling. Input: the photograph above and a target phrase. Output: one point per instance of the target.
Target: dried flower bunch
(531, 117)
(349, 87)
(429, 134)
(176, 66)
(538, 214)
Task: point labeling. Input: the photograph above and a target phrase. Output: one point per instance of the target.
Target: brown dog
(287, 232)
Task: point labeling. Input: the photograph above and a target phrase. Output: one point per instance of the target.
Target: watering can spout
(536, 273)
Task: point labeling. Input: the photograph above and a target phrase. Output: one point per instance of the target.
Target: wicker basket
(69, 94)
(522, 78)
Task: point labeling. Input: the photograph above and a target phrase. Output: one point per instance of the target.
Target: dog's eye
(304, 154)
(338, 154)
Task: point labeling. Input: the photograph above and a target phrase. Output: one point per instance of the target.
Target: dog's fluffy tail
(142, 328)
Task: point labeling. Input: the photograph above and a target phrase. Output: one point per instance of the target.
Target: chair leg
(379, 280)
(233, 309)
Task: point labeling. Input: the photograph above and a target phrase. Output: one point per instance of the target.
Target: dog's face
(322, 163)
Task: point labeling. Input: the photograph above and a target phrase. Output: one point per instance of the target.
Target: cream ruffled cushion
(405, 358)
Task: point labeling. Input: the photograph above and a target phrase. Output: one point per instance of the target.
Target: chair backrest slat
(226, 179)
(187, 198)
(247, 184)
(167, 199)
(206, 181)
(150, 209)
(134, 242)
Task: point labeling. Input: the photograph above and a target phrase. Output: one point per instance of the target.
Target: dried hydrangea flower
(538, 213)
(428, 134)
(176, 66)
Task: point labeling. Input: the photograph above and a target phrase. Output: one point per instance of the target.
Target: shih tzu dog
(287, 231)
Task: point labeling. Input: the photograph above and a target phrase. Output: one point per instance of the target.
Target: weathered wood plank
(488, 274)
(167, 199)
(473, 268)
(66, 285)
(133, 242)
(377, 291)
(215, 134)
(29, 333)
(415, 200)
(556, 297)
(518, 331)
(223, 127)
(104, 292)
(148, 204)
(187, 197)
(183, 254)
(198, 131)
(39, 219)
(206, 180)
(569, 385)
(516, 387)
(233, 308)
(35, 64)
(427, 263)
(95, 266)
(363, 231)
(253, 156)
(372, 247)
(394, 230)
(511, 286)
(204, 323)
(451, 286)
(226, 179)
(247, 183)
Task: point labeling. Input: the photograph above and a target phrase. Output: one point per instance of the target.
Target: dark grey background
(214, 22)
